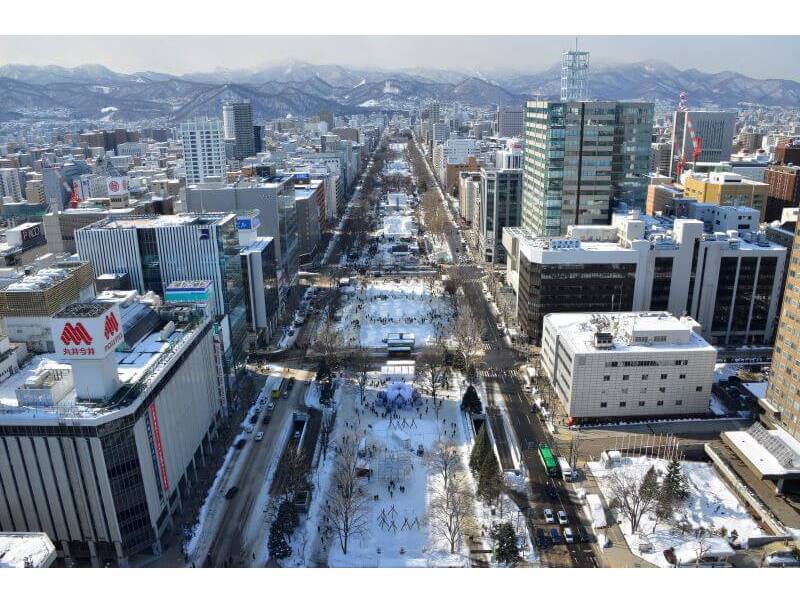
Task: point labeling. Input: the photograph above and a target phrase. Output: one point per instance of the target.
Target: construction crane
(697, 142)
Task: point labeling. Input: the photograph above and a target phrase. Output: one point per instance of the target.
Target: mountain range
(94, 92)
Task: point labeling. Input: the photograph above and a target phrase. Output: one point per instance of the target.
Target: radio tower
(575, 75)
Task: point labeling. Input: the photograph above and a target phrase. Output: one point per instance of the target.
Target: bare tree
(466, 333)
(326, 429)
(349, 504)
(450, 510)
(359, 362)
(431, 373)
(634, 494)
(294, 473)
(444, 460)
(329, 344)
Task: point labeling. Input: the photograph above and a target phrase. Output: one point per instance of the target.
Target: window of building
(699, 388)
(641, 402)
(678, 402)
(662, 389)
(603, 404)
(663, 376)
(623, 404)
(645, 377)
(660, 403)
(682, 376)
(625, 377)
(606, 377)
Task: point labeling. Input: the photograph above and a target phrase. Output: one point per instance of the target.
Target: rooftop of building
(138, 368)
(26, 549)
(30, 279)
(160, 221)
(628, 332)
(773, 452)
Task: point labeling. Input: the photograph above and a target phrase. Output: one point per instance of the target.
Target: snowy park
(393, 444)
(394, 305)
(710, 514)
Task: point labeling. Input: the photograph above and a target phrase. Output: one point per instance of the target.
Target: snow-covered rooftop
(631, 332)
(26, 549)
(766, 461)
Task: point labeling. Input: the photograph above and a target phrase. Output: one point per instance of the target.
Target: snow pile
(19, 549)
(710, 505)
(213, 491)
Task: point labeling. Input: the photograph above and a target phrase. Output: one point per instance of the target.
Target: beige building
(727, 188)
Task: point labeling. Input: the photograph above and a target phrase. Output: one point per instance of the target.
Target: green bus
(548, 460)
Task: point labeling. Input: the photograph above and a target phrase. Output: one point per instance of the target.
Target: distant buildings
(715, 128)
(203, 149)
(500, 207)
(784, 190)
(238, 124)
(510, 122)
(627, 365)
(581, 160)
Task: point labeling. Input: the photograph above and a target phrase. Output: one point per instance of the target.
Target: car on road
(290, 384)
(555, 536)
(267, 418)
(569, 537)
(562, 518)
(231, 492)
(259, 436)
(584, 535)
(551, 492)
(548, 516)
(254, 418)
(541, 539)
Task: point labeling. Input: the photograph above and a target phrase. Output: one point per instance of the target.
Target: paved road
(227, 548)
(502, 380)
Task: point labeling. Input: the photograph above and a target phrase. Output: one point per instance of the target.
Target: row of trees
(486, 469)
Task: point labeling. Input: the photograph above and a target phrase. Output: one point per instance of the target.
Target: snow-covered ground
(711, 504)
(392, 445)
(394, 305)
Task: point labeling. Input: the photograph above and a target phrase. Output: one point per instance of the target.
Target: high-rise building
(660, 155)
(435, 112)
(784, 381)
(154, 251)
(784, 190)
(10, 184)
(509, 122)
(715, 128)
(242, 116)
(730, 282)
(788, 152)
(203, 149)
(582, 159)
(110, 430)
(574, 76)
(500, 207)
(227, 121)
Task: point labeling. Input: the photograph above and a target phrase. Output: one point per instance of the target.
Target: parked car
(584, 534)
(231, 492)
(569, 537)
(562, 518)
(541, 539)
(259, 436)
(555, 536)
(548, 516)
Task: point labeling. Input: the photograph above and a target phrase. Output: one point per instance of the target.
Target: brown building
(784, 384)
(788, 153)
(784, 190)
(660, 197)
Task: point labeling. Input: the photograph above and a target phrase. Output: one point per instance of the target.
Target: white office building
(715, 128)
(203, 149)
(10, 184)
(627, 364)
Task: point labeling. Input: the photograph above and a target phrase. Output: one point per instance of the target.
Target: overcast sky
(761, 57)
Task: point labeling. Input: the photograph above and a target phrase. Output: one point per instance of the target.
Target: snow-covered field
(711, 505)
(394, 305)
(398, 525)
